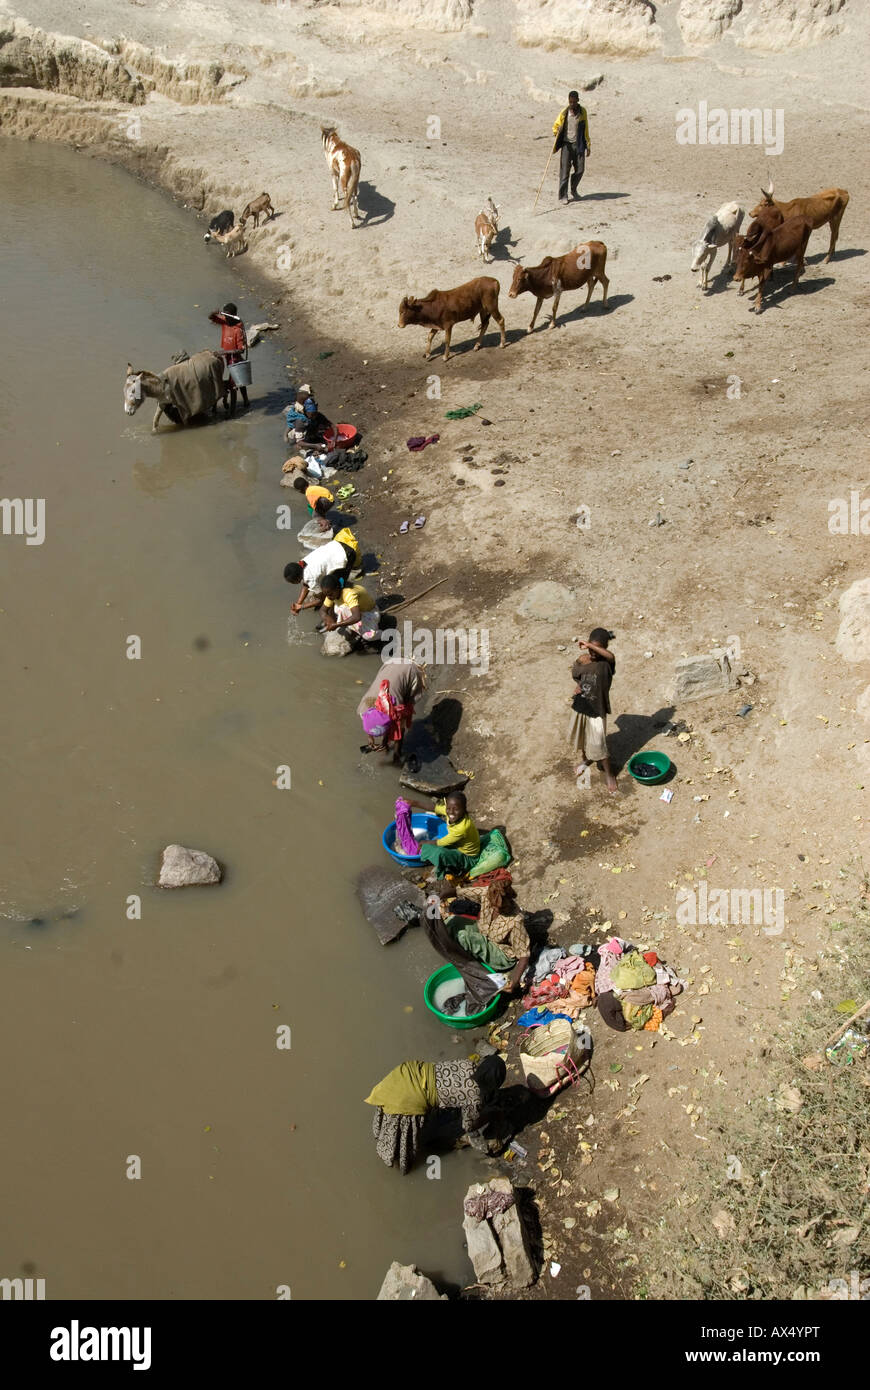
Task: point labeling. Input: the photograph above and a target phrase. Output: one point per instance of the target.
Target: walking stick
(538, 194)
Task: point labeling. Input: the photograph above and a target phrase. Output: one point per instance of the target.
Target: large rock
(620, 27)
(404, 1282)
(435, 774)
(697, 677)
(548, 601)
(775, 25)
(335, 644)
(702, 22)
(380, 891)
(853, 636)
(483, 1250)
(497, 1244)
(184, 868)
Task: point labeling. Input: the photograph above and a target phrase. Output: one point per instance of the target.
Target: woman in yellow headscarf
(416, 1089)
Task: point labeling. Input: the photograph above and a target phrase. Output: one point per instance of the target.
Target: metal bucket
(240, 373)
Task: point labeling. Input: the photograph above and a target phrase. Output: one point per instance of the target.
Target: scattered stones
(186, 868)
(405, 1282)
(497, 1245)
(697, 677)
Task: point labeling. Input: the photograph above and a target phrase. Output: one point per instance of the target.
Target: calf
(721, 230)
(221, 222)
(486, 228)
(255, 207)
(582, 266)
(234, 240)
(344, 164)
(441, 309)
(818, 209)
(782, 243)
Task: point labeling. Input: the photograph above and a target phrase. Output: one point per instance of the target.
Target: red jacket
(232, 333)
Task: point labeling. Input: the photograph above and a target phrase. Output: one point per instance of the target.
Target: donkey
(183, 391)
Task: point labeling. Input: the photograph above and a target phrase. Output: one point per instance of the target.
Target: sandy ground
(597, 414)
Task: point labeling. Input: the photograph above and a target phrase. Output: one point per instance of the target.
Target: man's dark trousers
(572, 161)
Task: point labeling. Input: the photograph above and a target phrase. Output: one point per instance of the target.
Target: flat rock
(697, 677)
(547, 601)
(436, 774)
(184, 868)
(498, 1245)
(335, 644)
(380, 890)
(853, 635)
(483, 1251)
(311, 536)
(405, 1282)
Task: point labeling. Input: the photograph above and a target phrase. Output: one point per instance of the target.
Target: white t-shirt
(323, 561)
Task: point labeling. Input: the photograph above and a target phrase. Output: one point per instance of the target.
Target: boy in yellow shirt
(319, 500)
(456, 851)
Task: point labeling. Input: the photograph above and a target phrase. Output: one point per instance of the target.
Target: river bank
(599, 414)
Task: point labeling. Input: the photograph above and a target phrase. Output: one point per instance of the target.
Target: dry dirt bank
(598, 414)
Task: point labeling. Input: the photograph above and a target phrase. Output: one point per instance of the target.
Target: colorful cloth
(405, 842)
(632, 972)
(467, 934)
(446, 861)
(409, 1089)
(494, 854)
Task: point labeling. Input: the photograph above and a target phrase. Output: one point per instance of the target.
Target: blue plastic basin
(425, 824)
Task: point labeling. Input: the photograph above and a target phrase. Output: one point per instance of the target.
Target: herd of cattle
(777, 233)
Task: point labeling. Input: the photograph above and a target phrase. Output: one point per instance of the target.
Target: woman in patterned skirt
(414, 1090)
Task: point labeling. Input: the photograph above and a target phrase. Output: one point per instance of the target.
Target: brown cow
(441, 309)
(782, 243)
(767, 219)
(818, 209)
(582, 266)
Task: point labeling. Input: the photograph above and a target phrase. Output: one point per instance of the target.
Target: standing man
(572, 138)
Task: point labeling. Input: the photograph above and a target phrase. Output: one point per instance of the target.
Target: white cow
(486, 228)
(721, 230)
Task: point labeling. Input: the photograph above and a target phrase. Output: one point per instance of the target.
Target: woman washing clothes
(488, 923)
(590, 705)
(458, 848)
(405, 682)
(319, 500)
(306, 425)
(416, 1090)
(350, 609)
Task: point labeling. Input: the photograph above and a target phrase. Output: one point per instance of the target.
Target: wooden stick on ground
(409, 601)
(538, 194)
(849, 1021)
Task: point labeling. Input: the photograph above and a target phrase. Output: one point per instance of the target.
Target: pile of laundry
(635, 990)
(632, 990)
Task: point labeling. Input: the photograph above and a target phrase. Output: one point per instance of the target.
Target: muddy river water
(156, 1037)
